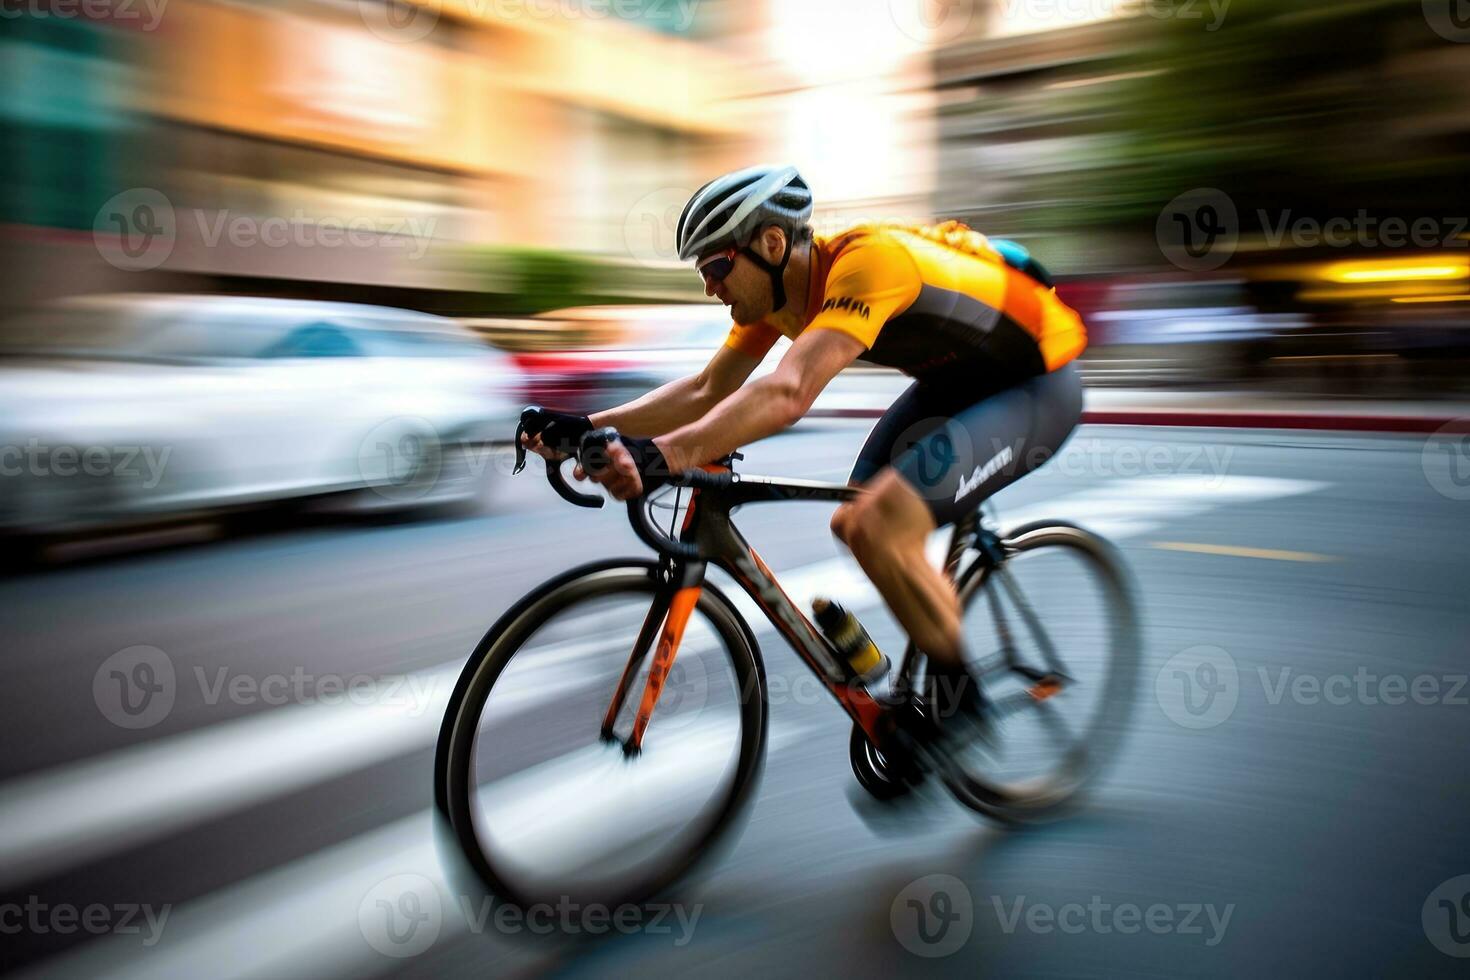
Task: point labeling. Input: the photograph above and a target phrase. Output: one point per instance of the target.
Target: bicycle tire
(454, 782)
(1104, 737)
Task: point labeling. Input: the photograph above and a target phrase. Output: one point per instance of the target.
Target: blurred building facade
(431, 127)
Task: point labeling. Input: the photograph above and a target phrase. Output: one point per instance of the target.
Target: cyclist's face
(731, 278)
(734, 280)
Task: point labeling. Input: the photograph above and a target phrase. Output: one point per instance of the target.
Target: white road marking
(65, 817)
(301, 920)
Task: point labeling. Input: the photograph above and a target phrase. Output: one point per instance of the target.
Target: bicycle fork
(673, 604)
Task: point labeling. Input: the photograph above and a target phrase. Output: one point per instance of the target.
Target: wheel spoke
(1033, 622)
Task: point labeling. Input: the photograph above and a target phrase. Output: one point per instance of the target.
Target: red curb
(1281, 420)
(1235, 420)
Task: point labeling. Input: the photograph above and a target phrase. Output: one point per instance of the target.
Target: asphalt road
(1300, 810)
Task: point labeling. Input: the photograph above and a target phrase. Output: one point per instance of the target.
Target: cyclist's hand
(557, 433)
(541, 449)
(620, 475)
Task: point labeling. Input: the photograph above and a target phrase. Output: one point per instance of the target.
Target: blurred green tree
(1324, 107)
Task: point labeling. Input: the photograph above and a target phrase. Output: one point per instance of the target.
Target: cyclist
(975, 322)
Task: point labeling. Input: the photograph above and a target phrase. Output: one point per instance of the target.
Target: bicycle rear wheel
(1052, 636)
(544, 810)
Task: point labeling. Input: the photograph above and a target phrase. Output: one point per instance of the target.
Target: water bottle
(865, 662)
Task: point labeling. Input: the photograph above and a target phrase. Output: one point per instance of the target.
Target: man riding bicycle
(976, 323)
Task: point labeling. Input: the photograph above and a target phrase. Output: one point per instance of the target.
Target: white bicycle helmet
(729, 211)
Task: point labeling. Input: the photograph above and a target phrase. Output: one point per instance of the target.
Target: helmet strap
(776, 271)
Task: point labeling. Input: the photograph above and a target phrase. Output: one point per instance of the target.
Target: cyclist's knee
(889, 515)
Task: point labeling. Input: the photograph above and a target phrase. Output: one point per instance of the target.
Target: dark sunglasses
(714, 268)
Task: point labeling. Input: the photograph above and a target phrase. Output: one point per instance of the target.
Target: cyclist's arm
(680, 402)
(767, 405)
(865, 288)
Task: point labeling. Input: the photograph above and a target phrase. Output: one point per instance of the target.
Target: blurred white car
(127, 408)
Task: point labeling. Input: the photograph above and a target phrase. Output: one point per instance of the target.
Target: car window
(420, 343)
(206, 334)
(315, 340)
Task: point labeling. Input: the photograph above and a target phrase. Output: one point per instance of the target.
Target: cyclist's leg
(941, 469)
(887, 528)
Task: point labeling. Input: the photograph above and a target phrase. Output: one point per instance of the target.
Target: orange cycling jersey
(939, 303)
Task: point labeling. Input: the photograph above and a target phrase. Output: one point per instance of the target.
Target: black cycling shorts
(956, 451)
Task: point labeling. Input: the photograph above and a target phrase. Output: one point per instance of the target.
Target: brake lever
(532, 420)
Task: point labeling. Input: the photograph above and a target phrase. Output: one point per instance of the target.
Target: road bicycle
(653, 785)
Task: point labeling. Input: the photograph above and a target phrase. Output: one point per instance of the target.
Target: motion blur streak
(281, 276)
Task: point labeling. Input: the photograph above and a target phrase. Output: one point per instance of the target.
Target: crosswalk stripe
(76, 813)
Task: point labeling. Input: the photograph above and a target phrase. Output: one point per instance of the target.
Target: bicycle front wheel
(1052, 636)
(545, 810)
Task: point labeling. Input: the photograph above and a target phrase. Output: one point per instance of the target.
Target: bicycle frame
(707, 525)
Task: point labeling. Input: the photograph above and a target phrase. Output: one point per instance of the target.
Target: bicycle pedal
(1047, 687)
